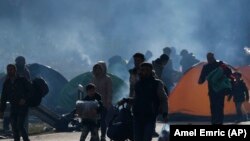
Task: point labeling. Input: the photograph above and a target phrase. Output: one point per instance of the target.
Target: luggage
(40, 89)
(121, 126)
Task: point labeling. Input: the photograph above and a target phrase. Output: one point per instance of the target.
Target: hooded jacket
(104, 85)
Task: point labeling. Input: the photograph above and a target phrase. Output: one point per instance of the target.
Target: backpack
(218, 80)
(40, 90)
(121, 126)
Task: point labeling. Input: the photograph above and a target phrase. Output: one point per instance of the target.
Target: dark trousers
(143, 130)
(92, 127)
(17, 117)
(6, 123)
(240, 115)
(103, 123)
(238, 110)
(217, 107)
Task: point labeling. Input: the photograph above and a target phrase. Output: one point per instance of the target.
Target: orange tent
(188, 97)
(245, 70)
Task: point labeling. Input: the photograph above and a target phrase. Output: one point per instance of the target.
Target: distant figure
(239, 94)
(148, 55)
(150, 100)
(217, 90)
(16, 90)
(187, 60)
(117, 66)
(176, 59)
(159, 64)
(134, 73)
(104, 88)
(167, 51)
(169, 75)
(22, 70)
(91, 123)
(168, 70)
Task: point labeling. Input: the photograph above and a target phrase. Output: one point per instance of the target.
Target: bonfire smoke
(71, 35)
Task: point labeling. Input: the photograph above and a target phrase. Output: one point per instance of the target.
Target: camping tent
(69, 93)
(245, 70)
(190, 98)
(55, 80)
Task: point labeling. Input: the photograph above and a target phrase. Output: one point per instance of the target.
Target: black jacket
(14, 91)
(240, 91)
(146, 101)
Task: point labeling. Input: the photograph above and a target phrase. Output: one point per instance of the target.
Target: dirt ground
(69, 136)
(75, 136)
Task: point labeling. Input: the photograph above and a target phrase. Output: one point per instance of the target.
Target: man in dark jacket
(16, 90)
(134, 73)
(23, 71)
(216, 98)
(150, 100)
(159, 64)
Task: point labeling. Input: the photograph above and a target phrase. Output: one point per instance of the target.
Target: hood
(103, 66)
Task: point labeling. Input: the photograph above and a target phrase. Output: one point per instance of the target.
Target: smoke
(247, 50)
(71, 36)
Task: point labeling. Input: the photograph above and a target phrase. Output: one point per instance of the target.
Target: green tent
(69, 93)
(2, 74)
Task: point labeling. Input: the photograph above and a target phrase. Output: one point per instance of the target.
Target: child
(240, 94)
(90, 120)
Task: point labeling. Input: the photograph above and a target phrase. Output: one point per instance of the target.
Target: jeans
(17, 117)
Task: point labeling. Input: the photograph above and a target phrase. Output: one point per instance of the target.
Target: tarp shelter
(55, 80)
(190, 98)
(69, 94)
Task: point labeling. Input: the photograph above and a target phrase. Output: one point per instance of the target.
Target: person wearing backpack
(239, 94)
(16, 90)
(216, 94)
(150, 100)
(23, 71)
